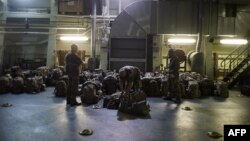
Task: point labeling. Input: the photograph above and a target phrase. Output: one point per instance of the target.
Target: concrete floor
(43, 117)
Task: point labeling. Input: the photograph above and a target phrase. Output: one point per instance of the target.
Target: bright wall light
(74, 38)
(234, 41)
(181, 40)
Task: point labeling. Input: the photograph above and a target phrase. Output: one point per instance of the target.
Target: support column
(1, 52)
(120, 7)
(51, 48)
(52, 36)
(209, 64)
(2, 46)
(93, 31)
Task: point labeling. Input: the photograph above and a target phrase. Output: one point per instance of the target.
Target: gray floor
(43, 117)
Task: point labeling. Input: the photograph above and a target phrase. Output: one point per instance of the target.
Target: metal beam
(27, 15)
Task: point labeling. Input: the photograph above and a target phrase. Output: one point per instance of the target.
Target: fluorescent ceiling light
(181, 40)
(234, 41)
(74, 38)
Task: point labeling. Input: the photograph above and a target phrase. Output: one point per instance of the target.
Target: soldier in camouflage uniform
(174, 86)
(73, 63)
(129, 76)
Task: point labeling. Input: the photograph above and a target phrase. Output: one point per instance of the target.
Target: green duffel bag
(60, 89)
(222, 89)
(134, 103)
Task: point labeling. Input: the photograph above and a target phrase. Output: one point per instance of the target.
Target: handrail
(236, 57)
(232, 53)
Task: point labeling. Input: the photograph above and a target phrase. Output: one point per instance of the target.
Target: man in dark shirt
(73, 62)
(174, 66)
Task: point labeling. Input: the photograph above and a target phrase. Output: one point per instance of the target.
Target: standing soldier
(73, 62)
(174, 66)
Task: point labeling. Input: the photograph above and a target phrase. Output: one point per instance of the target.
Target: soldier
(129, 77)
(73, 63)
(174, 66)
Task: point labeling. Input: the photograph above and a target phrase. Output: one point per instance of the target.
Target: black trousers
(72, 89)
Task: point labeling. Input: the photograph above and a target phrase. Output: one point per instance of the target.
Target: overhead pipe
(92, 61)
(197, 58)
(23, 32)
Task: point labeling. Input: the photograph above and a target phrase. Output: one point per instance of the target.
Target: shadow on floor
(220, 99)
(123, 116)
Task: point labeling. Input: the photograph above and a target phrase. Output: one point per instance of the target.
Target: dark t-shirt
(174, 66)
(73, 63)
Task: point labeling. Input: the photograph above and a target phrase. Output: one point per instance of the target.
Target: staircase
(237, 64)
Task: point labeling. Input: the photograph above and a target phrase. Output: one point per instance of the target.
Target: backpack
(245, 89)
(57, 73)
(222, 89)
(40, 83)
(5, 84)
(134, 103)
(154, 88)
(193, 89)
(112, 101)
(65, 78)
(60, 89)
(206, 87)
(31, 85)
(90, 93)
(18, 85)
(110, 84)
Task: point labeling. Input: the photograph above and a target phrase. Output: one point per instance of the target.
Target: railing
(235, 58)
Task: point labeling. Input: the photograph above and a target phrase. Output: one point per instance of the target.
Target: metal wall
(129, 33)
(177, 17)
(142, 18)
(238, 25)
(137, 20)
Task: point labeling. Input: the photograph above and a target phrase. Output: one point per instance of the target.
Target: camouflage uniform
(129, 77)
(174, 85)
(73, 63)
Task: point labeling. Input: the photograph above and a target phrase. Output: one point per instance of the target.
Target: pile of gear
(18, 81)
(191, 85)
(126, 90)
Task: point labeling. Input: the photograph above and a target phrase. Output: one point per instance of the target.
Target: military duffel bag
(112, 101)
(245, 89)
(40, 83)
(110, 84)
(134, 103)
(31, 85)
(65, 78)
(222, 89)
(60, 89)
(5, 84)
(193, 89)
(16, 71)
(17, 85)
(90, 93)
(206, 87)
(154, 89)
(82, 78)
(57, 74)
